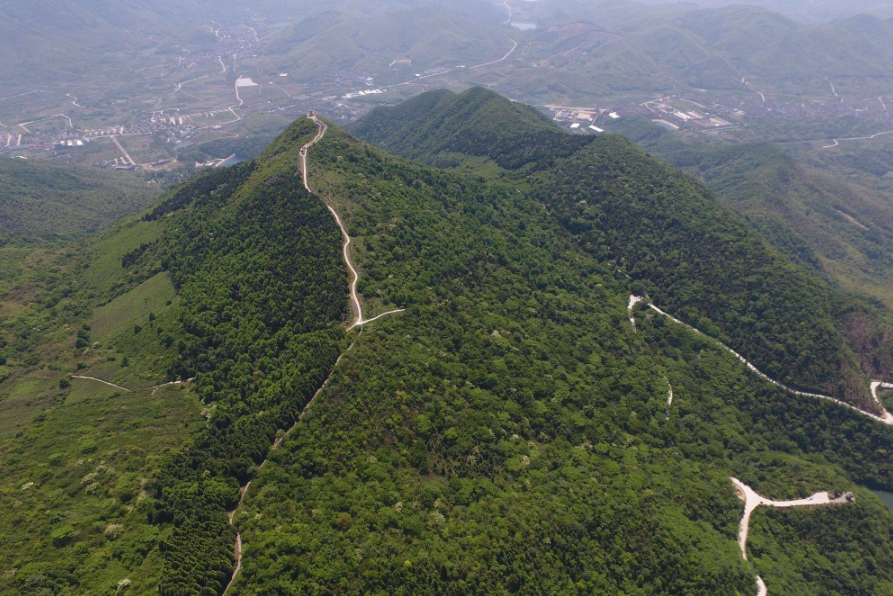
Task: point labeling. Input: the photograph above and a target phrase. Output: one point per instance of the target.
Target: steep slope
(823, 222)
(255, 292)
(664, 230)
(463, 444)
(509, 431)
(47, 201)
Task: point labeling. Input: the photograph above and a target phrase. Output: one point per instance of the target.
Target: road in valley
(123, 151)
(874, 136)
(510, 52)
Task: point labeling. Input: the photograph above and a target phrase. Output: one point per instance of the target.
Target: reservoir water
(232, 161)
(886, 497)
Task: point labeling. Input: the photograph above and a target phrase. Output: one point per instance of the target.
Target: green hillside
(822, 221)
(664, 230)
(40, 201)
(506, 431)
(478, 123)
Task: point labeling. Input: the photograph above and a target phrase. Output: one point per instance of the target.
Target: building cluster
(661, 112)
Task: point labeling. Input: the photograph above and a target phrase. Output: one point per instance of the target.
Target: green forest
(693, 255)
(80, 199)
(509, 432)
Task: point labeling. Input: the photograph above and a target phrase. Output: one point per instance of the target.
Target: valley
(187, 110)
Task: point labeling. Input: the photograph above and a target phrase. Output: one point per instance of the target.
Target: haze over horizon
(460, 298)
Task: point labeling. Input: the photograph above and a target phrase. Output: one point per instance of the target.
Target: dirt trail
(669, 396)
(302, 156)
(172, 383)
(633, 301)
(243, 491)
(101, 381)
(752, 500)
(355, 276)
(885, 417)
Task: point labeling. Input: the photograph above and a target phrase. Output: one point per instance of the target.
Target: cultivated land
(192, 106)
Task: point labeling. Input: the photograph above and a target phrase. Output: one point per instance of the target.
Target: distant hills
(334, 42)
(623, 47)
(580, 50)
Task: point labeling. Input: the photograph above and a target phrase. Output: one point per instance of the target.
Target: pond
(524, 26)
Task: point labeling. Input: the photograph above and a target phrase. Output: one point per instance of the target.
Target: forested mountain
(618, 47)
(817, 219)
(336, 41)
(506, 429)
(44, 201)
(663, 229)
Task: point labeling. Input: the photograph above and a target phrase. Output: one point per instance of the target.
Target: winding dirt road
(357, 307)
(885, 417)
(752, 500)
(837, 141)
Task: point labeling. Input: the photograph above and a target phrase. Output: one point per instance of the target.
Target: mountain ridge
(586, 198)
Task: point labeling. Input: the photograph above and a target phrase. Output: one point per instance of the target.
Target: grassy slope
(47, 201)
(76, 460)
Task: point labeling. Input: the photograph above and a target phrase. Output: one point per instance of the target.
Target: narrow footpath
(355, 276)
(101, 381)
(243, 491)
